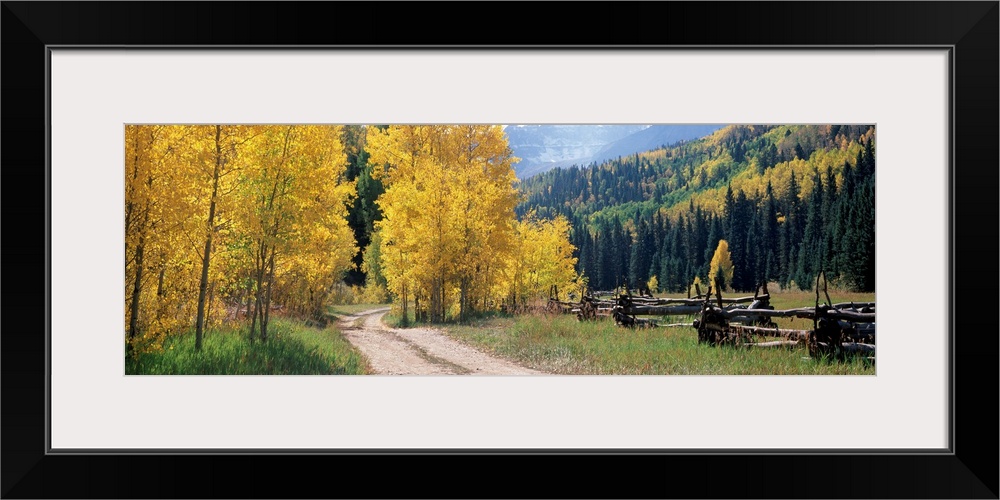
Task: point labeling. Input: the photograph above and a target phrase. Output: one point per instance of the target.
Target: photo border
(31, 30)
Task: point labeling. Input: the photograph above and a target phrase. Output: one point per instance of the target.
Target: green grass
(346, 309)
(561, 344)
(395, 320)
(292, 349)
(787, 299)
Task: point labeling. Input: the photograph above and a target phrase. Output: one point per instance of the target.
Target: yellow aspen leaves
(451, 243)
(544, 258)
(721, 268)
(278, 230)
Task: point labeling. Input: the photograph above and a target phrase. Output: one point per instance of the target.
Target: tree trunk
(435, 300)
(463, 300)
(416, 307)
(259, 280)
(249, 297)
(249, 305)
(256, 311)
(160, 306)
(266, 313)
(203, 284)
(159, 282)
(133, 323)
(406, 317)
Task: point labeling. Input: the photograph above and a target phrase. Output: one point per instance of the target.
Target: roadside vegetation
(563, 345)
(293, 349)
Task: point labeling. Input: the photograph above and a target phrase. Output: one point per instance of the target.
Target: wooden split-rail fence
(840, 330)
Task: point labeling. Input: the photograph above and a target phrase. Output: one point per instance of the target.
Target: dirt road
(419, 351)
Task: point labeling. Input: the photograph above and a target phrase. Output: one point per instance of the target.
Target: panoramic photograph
(491, 249)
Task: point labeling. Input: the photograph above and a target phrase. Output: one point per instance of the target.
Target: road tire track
(419, 351)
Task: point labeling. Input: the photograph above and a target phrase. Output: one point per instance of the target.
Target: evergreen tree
(607, 266)
(700, 238)
(784, 253)
(799, 153)
(858, 240)
(728, 210)
(684, 268)
(829, 224)
(641, 255)
(714, 235)
(792, 234)
(810, 260)
(738, 227)
(769, 216)
(621, 250)
(756, 253)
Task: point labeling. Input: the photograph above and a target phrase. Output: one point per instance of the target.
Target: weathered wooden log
(588, 311)
(662, 310)
(802, 312)
(626, 320)
(564, 307)
(633, 306)
(693, 302)
(713, 327)
(805, 312)
(853, 305)
(788, 344)
(848, 315)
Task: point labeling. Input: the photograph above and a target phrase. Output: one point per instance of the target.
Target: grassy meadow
(293, 348)
(563, 345)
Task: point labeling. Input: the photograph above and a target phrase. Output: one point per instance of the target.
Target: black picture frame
(970, 29)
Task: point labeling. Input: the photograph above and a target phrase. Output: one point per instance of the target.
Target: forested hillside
(788, 200)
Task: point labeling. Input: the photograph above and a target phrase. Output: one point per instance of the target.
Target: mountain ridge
(544, 147)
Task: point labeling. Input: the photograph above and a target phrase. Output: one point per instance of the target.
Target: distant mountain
(652, 137)
(544, 147)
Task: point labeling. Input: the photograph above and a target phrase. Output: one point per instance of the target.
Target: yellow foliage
(447, 212)
(543, 258)
(279, 190)
(693, 289)
(653, 284)
(721, 265)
